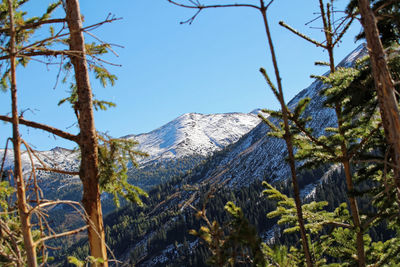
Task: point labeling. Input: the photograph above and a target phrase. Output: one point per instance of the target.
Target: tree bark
(388, 104)
(18, 175)
(89, 171)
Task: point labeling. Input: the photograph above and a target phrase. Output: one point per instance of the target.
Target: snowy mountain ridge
(194, 134)
(189, 134)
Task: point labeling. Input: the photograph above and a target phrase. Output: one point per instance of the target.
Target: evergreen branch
(44, 127)
(283, 24)
(313, 138)
(41, 42)
(371, 220)
(376, 161)
(269, 123)
(321, 63)
(338, 224)
(271, 85)
(363, 141)
(9, 212)
(34, 25)
(72, 232)
(6, 255)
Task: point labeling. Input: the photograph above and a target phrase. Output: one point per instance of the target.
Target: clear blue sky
(169, 69)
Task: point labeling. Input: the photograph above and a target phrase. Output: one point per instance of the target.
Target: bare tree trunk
(21, 196)
(384, 85)
(289, 141)
(89, 172)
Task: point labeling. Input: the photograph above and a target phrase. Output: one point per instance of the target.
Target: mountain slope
(256, 156)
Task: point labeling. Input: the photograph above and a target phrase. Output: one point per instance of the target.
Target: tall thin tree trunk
(347, 171)
(326, 20)
(21, 196)
(355, 213)
(89, 171)
(289, 141)
(384, 85)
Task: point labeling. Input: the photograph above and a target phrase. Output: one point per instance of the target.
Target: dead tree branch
(197, 5)
(44, 127)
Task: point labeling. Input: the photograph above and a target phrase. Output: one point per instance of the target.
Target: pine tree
(337, 145)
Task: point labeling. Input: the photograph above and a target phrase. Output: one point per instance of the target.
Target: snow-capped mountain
(187, 135)
(194, 134)
(58, 157)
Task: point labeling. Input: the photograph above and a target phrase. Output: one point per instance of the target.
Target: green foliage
(5, 191)
(280, 255)
(90, 260)
(93, 50)
(23, 36)
(317, 220)
(386, 253)
(73, 100)
(114, 157)
(350, 93)
(11, 242)
(357, 117)
(388, 19)
(238, 246)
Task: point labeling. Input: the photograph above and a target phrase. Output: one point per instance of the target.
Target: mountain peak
(195, 134)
